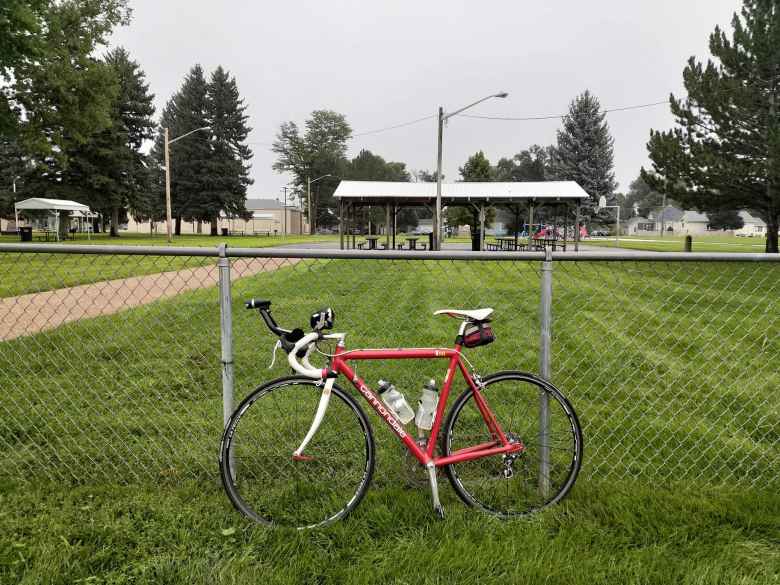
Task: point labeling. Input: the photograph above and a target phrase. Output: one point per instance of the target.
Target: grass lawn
(673, 369)
(27, 273)
(677, 243)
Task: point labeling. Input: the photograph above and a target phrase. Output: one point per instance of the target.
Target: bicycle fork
(315, 424)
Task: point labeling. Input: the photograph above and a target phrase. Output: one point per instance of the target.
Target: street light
(603, 205)
(308, 199)
(168, 176)
(443, 118)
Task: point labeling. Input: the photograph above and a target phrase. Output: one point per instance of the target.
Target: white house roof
(696, 217)
(51, 204)
(389, 190)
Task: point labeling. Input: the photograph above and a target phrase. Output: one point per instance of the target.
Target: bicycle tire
(477, 481)
(262, 479)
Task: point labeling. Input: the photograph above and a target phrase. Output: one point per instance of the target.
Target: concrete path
(32, 313)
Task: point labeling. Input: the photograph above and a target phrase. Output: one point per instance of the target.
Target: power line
(557, 116)
(417, 121)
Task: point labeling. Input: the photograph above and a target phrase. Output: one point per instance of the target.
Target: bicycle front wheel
(261, 477)
(531, 411)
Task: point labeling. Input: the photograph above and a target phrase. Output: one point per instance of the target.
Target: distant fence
(119, 363)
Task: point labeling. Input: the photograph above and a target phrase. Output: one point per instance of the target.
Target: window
(645, 227)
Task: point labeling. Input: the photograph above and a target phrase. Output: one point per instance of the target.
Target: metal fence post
(226, 330)
(545, 309)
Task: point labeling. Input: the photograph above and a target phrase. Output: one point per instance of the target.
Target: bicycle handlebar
(305, 343)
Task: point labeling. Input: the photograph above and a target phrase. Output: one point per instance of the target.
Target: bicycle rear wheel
(262, 479)
(527, 481)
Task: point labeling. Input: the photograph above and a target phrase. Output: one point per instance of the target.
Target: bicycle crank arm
(315, 424)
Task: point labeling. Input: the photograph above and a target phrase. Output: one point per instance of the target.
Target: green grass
(672, 369)
(142, 534)
(22, 273)
(677, 243)
(135, 239)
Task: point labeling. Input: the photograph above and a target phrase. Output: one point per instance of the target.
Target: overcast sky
(386, 63)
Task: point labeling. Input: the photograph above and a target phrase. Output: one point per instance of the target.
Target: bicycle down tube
(499, 445)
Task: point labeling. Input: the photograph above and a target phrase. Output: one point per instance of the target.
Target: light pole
(168, 142)
(309, 183)
(603, 205)
(16, 213)
(443, 118)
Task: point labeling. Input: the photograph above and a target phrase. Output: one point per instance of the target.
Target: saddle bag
(478, 333)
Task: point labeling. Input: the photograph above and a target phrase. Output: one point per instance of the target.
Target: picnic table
(505, 243)
(372, 242)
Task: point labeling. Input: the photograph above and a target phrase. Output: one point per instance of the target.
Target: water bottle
(426, 409)
(395, 401)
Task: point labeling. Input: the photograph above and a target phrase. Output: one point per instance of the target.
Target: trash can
(430, 240)
(475, 239)
(25, 233)
(225, 231)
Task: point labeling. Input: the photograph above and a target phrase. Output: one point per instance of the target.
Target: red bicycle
(299, 451)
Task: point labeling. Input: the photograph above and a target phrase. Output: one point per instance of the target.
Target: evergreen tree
(110, 168)
(584, 151)
(190, 157)
(725, 152)
(228, 165)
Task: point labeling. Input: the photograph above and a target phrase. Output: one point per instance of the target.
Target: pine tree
(584, 152)
(110, 169)
(228, 165)
(190, 157)
(725, 152)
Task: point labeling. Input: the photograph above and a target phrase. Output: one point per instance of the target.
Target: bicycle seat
(475, 315)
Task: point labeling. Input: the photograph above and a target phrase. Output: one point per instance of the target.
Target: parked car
(597, 233)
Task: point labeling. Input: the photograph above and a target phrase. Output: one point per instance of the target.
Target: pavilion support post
(530, 223)
(387, 225)
(577, 227)
(395, 222)
(341, 225)
(481, 227)
(517, 224)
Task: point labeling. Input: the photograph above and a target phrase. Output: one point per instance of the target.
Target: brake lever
(277, 345)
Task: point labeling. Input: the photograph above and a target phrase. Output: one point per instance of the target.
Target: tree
(725, 151)
(367, 166)
(12, 166)
(66, 93)
(532, 164)
(320, 151)
(20, 39)
(187, 111)
(726, 219)
(584, 151)
(228, 165)
(109, 169)
(476, 169)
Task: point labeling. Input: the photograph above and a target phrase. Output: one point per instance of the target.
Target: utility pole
(437, 214)
(168, 142)
(168, 229)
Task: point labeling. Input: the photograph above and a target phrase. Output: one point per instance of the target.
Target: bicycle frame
(500, 443)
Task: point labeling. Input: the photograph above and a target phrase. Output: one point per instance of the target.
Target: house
(268, 216)
(754, 227)
(662, 218)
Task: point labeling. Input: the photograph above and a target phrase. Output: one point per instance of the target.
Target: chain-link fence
(110, 357)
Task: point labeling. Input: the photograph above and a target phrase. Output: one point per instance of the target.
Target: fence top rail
(217, 251)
